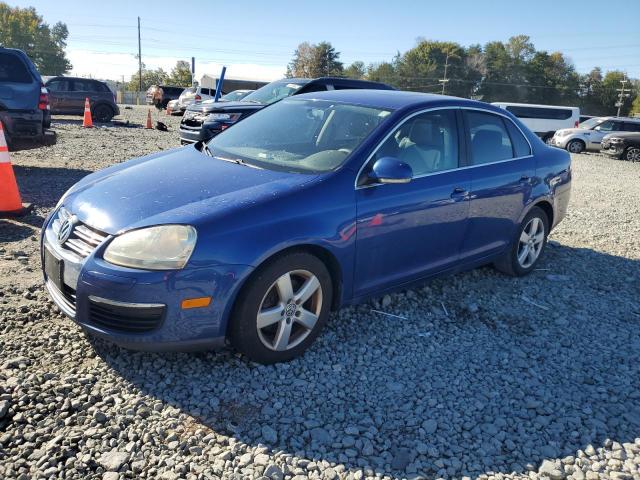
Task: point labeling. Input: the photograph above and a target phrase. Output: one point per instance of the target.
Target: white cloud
(114, 66)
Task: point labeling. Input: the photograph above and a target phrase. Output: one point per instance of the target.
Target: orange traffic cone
(149, 124)
(10, 201)
(87, 122)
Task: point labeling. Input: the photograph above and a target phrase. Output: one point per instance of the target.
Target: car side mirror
(390, 170)
(598, 128)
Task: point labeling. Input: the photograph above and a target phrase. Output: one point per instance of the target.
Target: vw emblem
(66, 229)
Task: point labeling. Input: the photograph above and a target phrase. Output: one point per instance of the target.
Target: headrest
(425, 132)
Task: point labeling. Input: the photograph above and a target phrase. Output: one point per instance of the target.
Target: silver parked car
(589, 134)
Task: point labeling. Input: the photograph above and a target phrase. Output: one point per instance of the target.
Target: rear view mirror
(390, 170)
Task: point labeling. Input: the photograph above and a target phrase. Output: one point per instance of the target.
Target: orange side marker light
(199, 302)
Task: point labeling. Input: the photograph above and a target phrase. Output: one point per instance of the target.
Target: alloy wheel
(289, 310)
(633, 154)
(574, 146)
(531, 242)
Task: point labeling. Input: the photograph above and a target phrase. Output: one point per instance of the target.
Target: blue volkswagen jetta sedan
(313, 203)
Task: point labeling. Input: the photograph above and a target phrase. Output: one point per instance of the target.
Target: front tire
(282, 308)
(632, 154)
(102, 114)
(528, 245)
(576, 146)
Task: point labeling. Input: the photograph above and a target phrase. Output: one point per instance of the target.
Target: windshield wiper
(206, 150)
(237, 161)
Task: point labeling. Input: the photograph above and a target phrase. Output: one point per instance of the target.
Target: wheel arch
(547, 208)
(322, 253)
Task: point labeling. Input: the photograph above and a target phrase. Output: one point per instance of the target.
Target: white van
(543, 120)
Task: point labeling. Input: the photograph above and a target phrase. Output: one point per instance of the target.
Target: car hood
(177, 186)
(211, 107)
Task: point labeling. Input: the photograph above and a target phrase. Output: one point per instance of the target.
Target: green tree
(317, 60)
(149, 77)
(385, 72)
(552, 79)
(355, 70)
(23, 28)
(635, 106)
(180, 74)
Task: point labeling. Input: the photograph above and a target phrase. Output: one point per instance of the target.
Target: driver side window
(428, 143)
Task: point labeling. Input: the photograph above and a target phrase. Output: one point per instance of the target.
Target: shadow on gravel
(10, 231)
(494, 387)
(43, 186)
(50, 138)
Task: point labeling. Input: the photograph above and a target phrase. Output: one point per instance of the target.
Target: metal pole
(622, 95)
(444, 80)
(219, 85)
(139, 64)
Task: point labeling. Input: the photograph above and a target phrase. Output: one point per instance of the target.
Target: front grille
(123, 317)
(83, 239)
(66, 299)
(192, 123)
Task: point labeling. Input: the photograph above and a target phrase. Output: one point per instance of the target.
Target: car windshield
(591, 123)
(302, 136)
(189, 90)
(273, 92)
(236, 95)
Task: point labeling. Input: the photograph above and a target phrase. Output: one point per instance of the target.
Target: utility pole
(622, 95)
(139, 64)
(445, 79)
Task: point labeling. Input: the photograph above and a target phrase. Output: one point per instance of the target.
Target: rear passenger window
(428, 143)
(12, 69)
(58, 86)
(83, 86)
(545, 113)
(631, 127)
(520, 144)
(489, 139)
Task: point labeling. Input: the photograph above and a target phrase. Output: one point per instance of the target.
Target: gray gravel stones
(496, 387)
(113, 461)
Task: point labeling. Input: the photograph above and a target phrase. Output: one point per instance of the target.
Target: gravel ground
(484, 376)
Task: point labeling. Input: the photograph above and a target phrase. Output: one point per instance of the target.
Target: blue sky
(257, 38)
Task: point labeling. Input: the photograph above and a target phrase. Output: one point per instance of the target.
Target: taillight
(198, 98)
(43, 101)
(575, 125)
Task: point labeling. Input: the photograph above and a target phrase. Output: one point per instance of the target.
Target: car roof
(75, 78)
(535, 105)
(626, 119)
(393, 99)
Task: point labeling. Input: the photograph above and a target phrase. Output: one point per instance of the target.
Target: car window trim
(464, 160)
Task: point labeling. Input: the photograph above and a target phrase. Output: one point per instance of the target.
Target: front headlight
(222, 117)
(165, 247)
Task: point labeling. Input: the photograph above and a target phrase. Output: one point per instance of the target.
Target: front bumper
(560, 142)
(615, 150)
(141, 309)
(194, 131)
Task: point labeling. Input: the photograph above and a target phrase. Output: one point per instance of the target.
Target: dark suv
(203, 121)
(67, 96)
(24, 102)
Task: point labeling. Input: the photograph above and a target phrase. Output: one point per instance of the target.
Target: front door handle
(525, 178)
(459, 192)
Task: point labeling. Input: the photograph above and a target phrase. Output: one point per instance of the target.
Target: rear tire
(576, 146)
(632, 154)
(528, 245)
(282, 308)
(102, 113)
